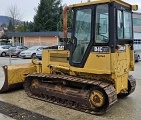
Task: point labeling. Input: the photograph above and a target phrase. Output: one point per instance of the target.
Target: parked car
(39, 54)
(136, 57)
(31, 52)
(15, 51)
(4, 49)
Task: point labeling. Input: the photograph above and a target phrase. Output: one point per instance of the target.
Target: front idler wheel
(98, 100)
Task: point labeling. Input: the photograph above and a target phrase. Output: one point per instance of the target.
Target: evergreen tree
(70, 16)
(47, 15)
(31, 27)
(20, 28)
(69, 20)
(11, 26)
(60, 20)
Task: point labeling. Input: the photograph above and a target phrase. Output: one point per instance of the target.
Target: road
(125, 109)
(13, 60)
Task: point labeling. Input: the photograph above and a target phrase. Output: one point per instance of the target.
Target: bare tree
(14, 13)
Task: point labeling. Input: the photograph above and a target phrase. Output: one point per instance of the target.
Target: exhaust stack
(65, 21)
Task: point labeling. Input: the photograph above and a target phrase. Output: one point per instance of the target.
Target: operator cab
(99, 26)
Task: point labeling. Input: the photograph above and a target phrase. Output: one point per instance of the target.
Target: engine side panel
(54, 58)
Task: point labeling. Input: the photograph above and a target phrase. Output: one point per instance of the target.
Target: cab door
(81, 37)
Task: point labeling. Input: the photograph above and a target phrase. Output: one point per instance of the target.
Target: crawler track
(132, 84)
(131, 87)
(47, 87)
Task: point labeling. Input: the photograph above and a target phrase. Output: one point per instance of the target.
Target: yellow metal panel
(16, 73)
(54, 58)
(59, 59)
(90, 3)
(113, 65)
(132, 61)
(38, 65)
(87, 70)
(97, 64)
(45, 61)
(121, 65)
(59, 54)
(134, 7)
(121, 83)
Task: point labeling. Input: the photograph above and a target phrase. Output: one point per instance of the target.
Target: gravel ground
(125, 109)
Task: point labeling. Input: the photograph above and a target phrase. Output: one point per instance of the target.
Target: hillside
(4, 20)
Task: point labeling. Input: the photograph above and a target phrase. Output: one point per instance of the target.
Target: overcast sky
(26, 7)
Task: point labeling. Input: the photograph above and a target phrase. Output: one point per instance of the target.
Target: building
(3, 36)
(137, 31)
(36, 38)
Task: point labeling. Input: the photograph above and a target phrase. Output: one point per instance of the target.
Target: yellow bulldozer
(93, 71)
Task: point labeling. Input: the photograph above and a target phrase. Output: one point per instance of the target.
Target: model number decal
(98, 49)
(101, 49)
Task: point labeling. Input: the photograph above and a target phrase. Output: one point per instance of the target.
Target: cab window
(82, 33)
(124, 25)
(102, 24)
